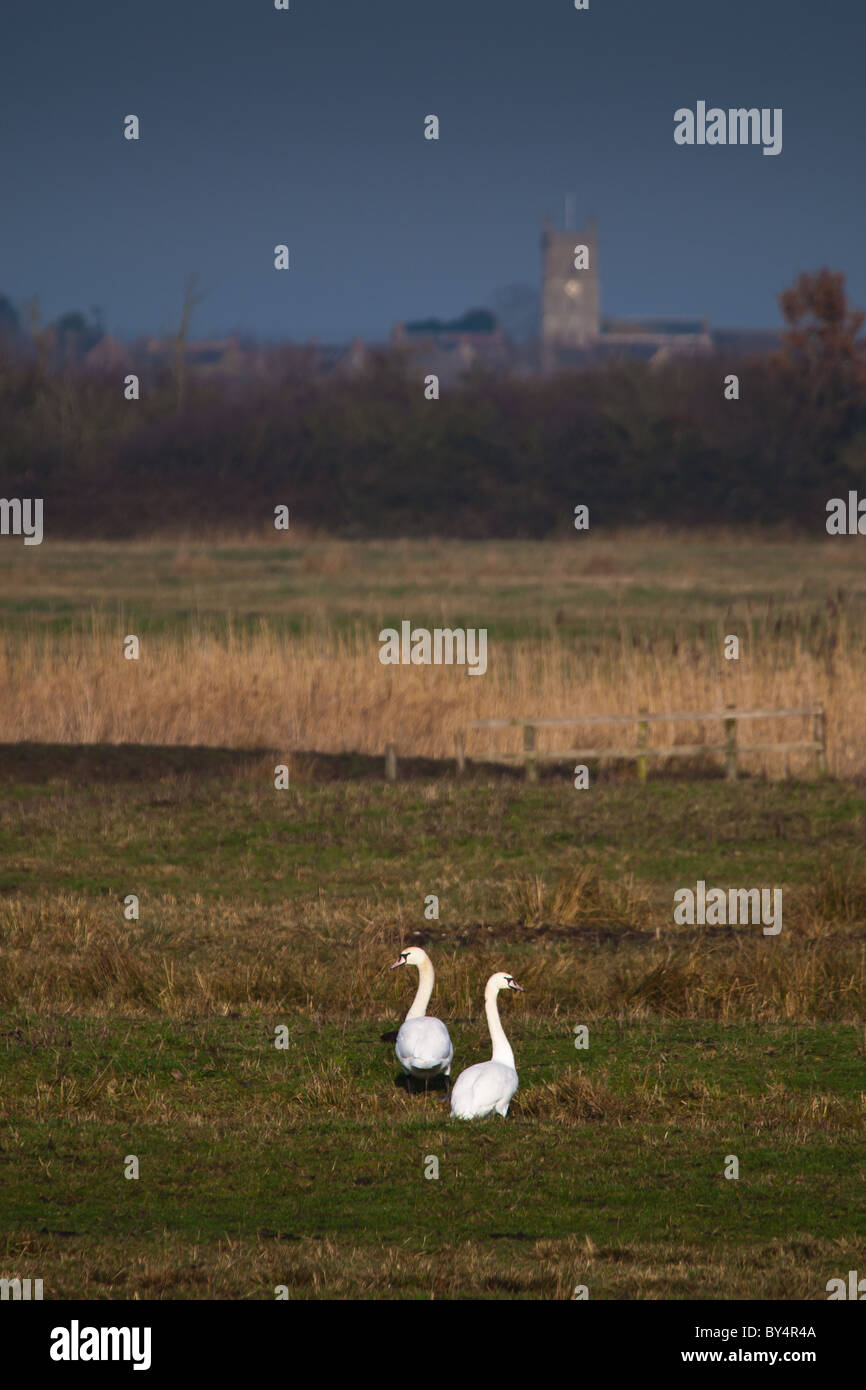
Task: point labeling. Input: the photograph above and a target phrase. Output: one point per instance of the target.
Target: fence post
(460, 751)
(642, 741)
(820, 735)
(730, 748)
(391, 762)
(530, 766)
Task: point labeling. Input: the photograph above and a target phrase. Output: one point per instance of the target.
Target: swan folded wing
(423, 1044)
(481, 1089)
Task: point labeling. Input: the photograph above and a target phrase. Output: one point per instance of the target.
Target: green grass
(596, 587)
(220, 830)
(236, 1139)
(305, 1167)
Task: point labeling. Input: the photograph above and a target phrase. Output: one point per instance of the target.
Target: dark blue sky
(261, 126)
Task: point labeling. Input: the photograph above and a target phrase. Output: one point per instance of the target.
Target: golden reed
(330, 693)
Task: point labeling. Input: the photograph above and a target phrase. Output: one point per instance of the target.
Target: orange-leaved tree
(823, 354)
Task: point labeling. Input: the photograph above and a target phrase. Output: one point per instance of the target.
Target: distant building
(450, 348)
(746, 342)
(108, 355)
(205, 355)
(570, 296)
(341, 359)
(573, 332)
(573, 329)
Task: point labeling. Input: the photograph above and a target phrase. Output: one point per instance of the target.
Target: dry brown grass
(253, 1268)
(604, 627)
(325, 962)
(581, 896)
(838, 892)
(330, 693)
(575, 1099)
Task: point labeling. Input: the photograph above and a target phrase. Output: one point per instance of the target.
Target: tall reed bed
(327, 691)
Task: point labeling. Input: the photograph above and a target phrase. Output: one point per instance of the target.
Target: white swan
(488, 1086)
(423, 1046)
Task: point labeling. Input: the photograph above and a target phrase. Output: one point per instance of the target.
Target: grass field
(304, 1166)
(266, 645)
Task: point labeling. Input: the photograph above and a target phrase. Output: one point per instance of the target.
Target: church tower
(570, 315)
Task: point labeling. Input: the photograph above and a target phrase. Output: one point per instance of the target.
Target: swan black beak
(396, 963)
(512, 984)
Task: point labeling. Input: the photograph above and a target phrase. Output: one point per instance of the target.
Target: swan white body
(423, 1047)
(488, 1086)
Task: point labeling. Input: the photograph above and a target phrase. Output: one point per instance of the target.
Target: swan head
(413, 955)
(501, 980)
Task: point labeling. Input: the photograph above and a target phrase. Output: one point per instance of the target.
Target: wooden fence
(641, 751)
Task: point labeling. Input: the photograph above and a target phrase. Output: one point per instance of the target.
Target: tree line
(367, 455)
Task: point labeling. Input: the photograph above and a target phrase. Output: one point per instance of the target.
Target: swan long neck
(501, 1046)
(425, 989)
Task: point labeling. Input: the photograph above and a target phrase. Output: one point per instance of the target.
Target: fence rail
(531, 756)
